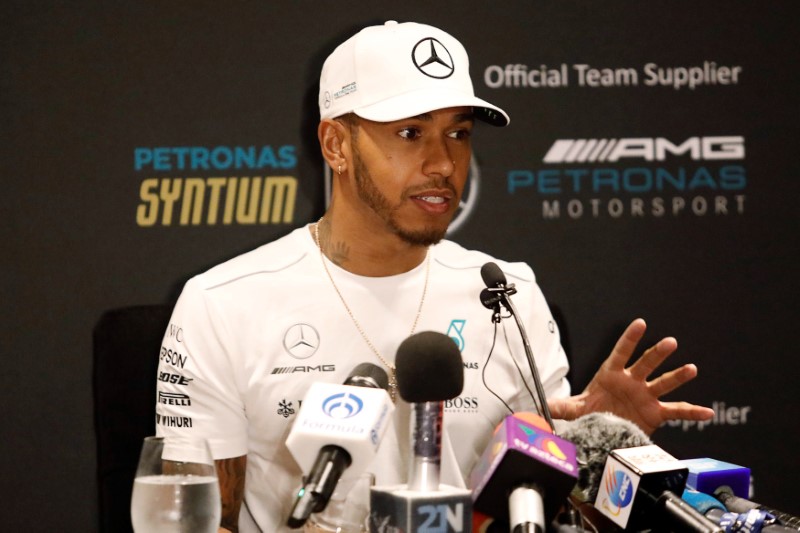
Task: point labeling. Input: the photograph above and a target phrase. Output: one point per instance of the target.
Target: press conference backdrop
(650, 169)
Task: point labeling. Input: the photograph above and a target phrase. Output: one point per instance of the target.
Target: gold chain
(391, 367)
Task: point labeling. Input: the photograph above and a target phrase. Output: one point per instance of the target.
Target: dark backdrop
(690, 222)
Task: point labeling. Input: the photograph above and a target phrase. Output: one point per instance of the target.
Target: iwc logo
(432, 59)
(301, 341)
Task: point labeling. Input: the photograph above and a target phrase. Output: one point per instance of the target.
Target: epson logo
(294, 369)
(649, 149)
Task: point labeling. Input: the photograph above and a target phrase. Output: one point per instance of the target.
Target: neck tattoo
(391, 367)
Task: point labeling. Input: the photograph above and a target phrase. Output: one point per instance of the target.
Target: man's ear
(334, 142)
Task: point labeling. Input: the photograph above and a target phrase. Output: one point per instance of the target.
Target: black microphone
(741, 505)
(338, 427)
(429, 370)
(715, 511)
(595, 435)
(498, 292)
(638, 480)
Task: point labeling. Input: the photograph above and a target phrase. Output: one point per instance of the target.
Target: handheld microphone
(629, 479)
(498, 292)
(429, 370)
(595, 435)
(338, 427)
(714, 510)
(707, 475)
(740, 505)
(525, 474)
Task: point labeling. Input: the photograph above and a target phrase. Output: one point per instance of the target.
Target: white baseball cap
(397, 71)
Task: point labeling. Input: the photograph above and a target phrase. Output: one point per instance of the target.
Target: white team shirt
(248, 337)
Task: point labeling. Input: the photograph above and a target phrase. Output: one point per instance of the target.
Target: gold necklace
(391, 367)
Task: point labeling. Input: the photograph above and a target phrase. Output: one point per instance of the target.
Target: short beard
(369, 193)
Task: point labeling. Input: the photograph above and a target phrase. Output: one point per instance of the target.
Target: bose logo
(655, 149)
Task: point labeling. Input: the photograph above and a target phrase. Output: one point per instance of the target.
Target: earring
(339, 170)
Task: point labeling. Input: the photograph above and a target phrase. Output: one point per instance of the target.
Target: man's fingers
(652, 358)
(685, 411)
(669, 381)
(626, 345)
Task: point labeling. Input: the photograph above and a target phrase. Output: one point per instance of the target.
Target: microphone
(595, 435)
(707, 475)
(714, 510)
(637, 480)
(525, 474)
(338, 427)
(498, 292)
(429, 371)
(741, 505)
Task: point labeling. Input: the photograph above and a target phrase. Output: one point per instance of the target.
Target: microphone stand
(501, 295)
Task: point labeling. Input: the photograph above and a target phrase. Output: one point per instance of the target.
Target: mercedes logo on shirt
(432, 58)
(301, 341)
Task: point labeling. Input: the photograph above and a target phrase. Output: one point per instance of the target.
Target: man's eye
(460, 134)
(410, 134)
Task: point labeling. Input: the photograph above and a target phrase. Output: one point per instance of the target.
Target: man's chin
(423, 237)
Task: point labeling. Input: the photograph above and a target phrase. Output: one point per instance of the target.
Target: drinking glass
(176, 488)
(348, 509)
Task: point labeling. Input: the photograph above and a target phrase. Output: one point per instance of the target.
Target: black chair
(126, 344)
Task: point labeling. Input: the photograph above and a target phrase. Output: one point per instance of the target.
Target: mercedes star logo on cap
(432, 58)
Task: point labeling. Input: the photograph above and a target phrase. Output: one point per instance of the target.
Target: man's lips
(435, 202)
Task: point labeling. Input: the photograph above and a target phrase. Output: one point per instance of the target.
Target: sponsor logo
(455, 332)
(462, 404)
(656, 149)
(174, 421)
(522, 76)
(432, 58)
(471, 365)
(171, 357)
(344, 91)
(441, 518)
(544, 455)
(724, 415)
(342, 405)
(301, 341)
(175, 332)
(217, 197)
(637, 177)
(175, 379)
(174, 398)
(285, 409)
(619, 489)
(543, 441)
(304, 369)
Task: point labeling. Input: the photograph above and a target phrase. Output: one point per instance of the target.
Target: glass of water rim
(175, 489)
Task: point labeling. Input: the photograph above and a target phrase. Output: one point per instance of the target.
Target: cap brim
(416, 103)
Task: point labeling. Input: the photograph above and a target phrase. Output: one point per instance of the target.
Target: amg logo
(656, 149)
(174, 398)
(293, 369)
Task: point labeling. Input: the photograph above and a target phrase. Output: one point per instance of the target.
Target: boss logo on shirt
(462, 404)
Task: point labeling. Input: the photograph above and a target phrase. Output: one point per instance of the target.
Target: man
(397, 111)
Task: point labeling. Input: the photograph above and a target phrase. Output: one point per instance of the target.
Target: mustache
(433, 184)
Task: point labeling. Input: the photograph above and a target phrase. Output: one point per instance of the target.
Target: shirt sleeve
(197, 393)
